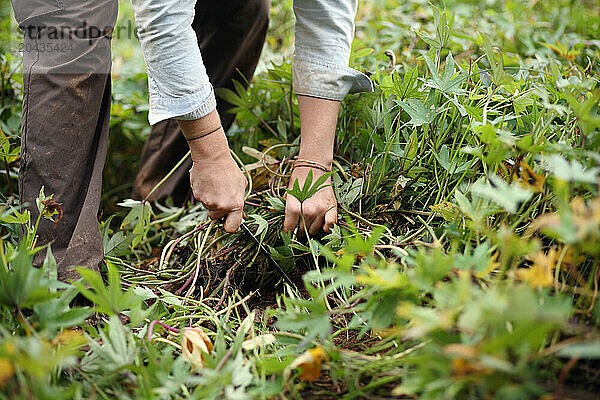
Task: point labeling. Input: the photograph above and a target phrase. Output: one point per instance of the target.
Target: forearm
(205, 148)
(318, 119)
(216, 181)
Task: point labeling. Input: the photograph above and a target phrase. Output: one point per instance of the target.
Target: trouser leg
(231, 34)
(66, 111)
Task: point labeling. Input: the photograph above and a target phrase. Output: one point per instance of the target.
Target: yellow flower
(310, 364)
(69, 337)
(464, 360)
(492, 265)
(570, 259)
(541, 273)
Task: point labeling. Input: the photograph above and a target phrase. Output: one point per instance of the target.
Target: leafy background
(465, 264)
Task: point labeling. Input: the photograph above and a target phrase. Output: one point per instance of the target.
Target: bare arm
(216, 180)
(318, 120)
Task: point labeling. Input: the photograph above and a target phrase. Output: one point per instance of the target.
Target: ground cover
(465, 265)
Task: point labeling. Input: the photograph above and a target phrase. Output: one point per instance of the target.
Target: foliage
(465, 263)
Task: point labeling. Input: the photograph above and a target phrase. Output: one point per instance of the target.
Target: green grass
(466, 263)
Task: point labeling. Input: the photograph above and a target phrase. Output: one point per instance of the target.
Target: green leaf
(118, 245)
(308, 189)
(307, 316)
(442, 30)
(276, 203)
(586, 110)
(407, 87)
(348, 192)
(49, 266)
(501, 78)
(12, 216)
(55, 314)
(384, 311)
(138, 217)
(572, 171)
(451, 165)
(410, 150)
(21, 284)
(115, 350)
(262, 224)
(111, 299)
(476, 210)
(447, 84)
(308, 182)
(476, 261)
(319, 184)
(419, 113)
(362, 52)
(507, 196)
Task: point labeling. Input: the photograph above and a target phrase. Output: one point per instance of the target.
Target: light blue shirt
(179, 86)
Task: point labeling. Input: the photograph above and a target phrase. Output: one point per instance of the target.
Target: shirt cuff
(192, 106)
(327, 80)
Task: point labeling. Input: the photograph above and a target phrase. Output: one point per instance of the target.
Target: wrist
(317, 157)
(206, 137)
(310, 164)
(210, 148)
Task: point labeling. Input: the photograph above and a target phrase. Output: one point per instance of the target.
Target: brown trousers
(66, 111)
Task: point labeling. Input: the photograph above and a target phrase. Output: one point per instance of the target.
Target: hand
(320, 211)
(318, 122)
(216, 180)
(220, 185)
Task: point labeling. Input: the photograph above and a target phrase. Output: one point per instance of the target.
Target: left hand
(320, 211)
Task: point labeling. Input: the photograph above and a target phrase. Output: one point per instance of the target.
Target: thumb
(233, 221)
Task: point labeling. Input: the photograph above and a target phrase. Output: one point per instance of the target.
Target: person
(67, 92)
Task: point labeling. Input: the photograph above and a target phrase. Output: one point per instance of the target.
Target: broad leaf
(446, 84)
(508, 196)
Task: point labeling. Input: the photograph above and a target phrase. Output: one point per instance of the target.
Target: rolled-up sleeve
(324, 32)
(178, 84)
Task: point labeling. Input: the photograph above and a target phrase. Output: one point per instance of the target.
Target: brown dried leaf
(528, 179)
(195, 345)
(52, 207)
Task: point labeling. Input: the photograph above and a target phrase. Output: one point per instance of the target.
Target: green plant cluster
(465, 265)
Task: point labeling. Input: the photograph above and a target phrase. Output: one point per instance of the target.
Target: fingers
(316, 225)
(220, 188)
(233, 218)
(292, 214)
(233, 221)
(312, 213)
(216, 214)
(324, 219)
(315, 217)
(330, 218)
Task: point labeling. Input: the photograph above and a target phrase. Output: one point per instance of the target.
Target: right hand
(217, 181)
(219, 184)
